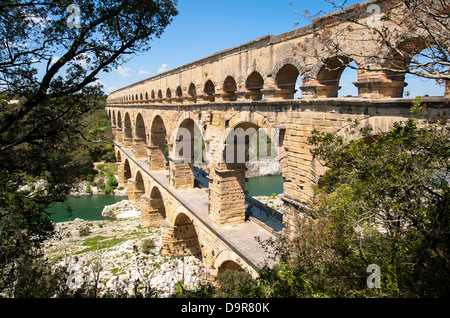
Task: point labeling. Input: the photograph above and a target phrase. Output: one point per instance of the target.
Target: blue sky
(204, 27)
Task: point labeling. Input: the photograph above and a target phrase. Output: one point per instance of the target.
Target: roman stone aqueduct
(251, 85)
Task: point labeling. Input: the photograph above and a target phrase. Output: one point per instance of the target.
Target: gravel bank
(120, 256)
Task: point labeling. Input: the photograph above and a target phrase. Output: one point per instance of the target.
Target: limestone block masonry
(248, 86)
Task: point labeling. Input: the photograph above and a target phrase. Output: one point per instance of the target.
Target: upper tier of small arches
(287, 81)
(291, 65)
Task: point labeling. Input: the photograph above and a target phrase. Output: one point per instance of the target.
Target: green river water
(90, 207)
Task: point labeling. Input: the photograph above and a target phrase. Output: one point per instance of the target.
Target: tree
(51, 53)
(384, 200)
(412, 36)
(44, 57)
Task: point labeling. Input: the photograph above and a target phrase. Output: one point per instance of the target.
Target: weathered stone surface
(250, 86)
(115, 211)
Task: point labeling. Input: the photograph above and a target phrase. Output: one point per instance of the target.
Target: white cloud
(163, 68)
(143, 72)
(123, 71)
(107, 89)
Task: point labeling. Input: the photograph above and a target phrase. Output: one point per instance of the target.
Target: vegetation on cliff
(45, 100)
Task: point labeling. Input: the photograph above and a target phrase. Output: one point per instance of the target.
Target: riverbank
(120, 256)
(86, 188)
(103, 180)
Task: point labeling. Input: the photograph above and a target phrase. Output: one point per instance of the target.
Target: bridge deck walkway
(241, 238)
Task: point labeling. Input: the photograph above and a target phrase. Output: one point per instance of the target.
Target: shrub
(84, 230)
(112, 181)
(147, 245)
(88, 188)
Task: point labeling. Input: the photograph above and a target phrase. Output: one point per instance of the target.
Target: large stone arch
(127, 131)
(248, 116)
(123, 170)
(119, 128)
(180, 236)
(136, 188)
(118, 155)
(229, 260)
(261, 121)
(113, 118)
(228, 207)
(128, 173)
(186, 148)
(140, 138)
(379, 125)
(157, 144)
(153, 208)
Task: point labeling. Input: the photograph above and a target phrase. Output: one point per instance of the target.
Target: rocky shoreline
(81, 189)
(118, 256)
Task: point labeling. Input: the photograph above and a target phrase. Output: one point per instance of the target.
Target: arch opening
(153, 212)
(254, 85)
(422, 57)
(168, 95)
(119, 120)
(140, 138)
(126, 170)
(119, 128)
(136, 188)
(209, 91)
(118, 156)
(185, 237)
(158, 145)
(247, 145)
(127, 132)
(287, 81)
(113, 118)
(192, 93)
(179, 93)
(229, 89)
(229, 266)
(187, 149)
(139, 184)
(329, 76)
(347, 81)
